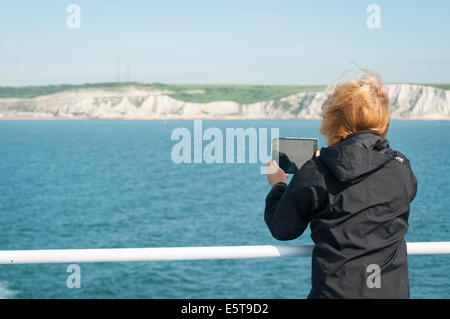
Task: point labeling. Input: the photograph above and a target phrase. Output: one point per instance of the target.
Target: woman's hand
(275, 174)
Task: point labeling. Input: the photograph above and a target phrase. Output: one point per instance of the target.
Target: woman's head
(355, 106)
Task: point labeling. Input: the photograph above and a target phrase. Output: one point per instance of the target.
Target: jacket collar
(356, 156)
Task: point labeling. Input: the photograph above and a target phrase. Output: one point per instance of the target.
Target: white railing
(182, 253)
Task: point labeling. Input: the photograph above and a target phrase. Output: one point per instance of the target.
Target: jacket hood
(358, 155)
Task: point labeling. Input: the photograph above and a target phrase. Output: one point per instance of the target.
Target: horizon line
(203, 84)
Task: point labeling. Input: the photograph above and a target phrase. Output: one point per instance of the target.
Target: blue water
(103, 184)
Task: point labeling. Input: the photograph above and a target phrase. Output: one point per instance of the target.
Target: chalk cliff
(407, 101)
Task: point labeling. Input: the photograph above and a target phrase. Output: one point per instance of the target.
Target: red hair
(355, 106)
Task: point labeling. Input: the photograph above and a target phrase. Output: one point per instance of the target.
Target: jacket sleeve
(414, 187)
(412, 184)
(289, 208)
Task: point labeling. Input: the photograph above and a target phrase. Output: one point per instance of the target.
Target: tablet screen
(291, 153)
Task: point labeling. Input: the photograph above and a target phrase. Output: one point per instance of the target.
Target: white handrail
(182, 253)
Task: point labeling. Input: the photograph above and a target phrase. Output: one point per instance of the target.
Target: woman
(355, 194)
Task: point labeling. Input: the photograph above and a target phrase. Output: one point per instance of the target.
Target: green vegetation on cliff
(200, 93)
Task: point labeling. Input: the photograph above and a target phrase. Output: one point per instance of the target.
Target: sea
(114, 184)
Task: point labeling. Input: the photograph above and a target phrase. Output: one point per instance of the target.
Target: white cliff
(406, 102)
(418, 102)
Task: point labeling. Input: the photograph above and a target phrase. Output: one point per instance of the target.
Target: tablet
(292, 152)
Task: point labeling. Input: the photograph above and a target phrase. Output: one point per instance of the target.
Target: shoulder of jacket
(311, 166)
(311, 172)
(400, 157)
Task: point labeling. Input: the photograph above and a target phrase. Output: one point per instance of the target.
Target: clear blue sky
(242, 42)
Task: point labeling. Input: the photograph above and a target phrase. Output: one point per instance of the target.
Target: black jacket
(356, 197)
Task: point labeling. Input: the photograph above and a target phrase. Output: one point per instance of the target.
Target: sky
(222, 42)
